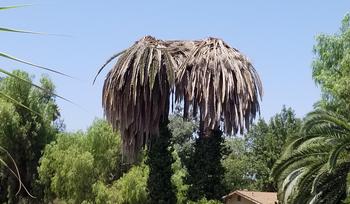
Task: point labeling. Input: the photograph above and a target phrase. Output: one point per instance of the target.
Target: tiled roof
(257, 197)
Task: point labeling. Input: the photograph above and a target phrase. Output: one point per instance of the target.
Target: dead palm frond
(208, 75)
(136, 92)
(221, 83)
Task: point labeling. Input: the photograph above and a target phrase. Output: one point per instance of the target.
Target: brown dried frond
(221, 83)
(208, 75)
(136, 92)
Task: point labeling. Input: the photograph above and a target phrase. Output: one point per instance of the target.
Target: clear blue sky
(277, 37)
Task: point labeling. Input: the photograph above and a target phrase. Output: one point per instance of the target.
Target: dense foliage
(79, 166)
(205, 168)
(252, 157)
(159, 161)
(331, 68)
(25, 133)
(186, 162)
(315, 166)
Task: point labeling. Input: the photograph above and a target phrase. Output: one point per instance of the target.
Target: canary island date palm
(315, 166)
(136, 92)
(208, 76)
(136, 95)
(219, 84)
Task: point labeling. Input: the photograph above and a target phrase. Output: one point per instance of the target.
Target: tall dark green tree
(159, 161)
(24, 133)
(205, 170)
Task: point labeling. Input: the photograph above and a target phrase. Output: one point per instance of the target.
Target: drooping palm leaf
(106, 63)
(34, 85)
(18, 31)
(136, 93)
(11, 7)
(15, 102)
(220, 82)
(31, 64)
(208, 74)
(326, 138)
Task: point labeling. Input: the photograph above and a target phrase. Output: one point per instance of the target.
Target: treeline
(87, 167)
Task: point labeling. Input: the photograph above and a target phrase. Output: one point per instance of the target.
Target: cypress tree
(205, 170)
(160, 187)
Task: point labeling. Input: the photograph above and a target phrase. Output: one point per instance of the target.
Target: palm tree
(220, 84)
(314, 167)
(207, 75)
(136, 92)
(136, 98)
(210, 76)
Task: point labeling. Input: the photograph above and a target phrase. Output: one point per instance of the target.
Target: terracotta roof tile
(257, 197)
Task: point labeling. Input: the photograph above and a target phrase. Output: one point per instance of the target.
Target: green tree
(14, 101)
(205, 170)
(159, 161)
(320, 176)
(238, 166)
(25, 133)
(178, 179)
(265, 143)
(131, 188)
(331, 68)
(73, 163)
(183, 132)
(315, 166)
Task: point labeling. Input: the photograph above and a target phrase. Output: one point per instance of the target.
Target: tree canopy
(331, 68)
(25, 133)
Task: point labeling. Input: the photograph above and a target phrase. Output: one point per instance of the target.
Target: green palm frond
(335, 152)
(18, 31)
(34, 85)
(14, 101)
(321, 116)
(4, 55)
(12, 7)
(324, 143)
